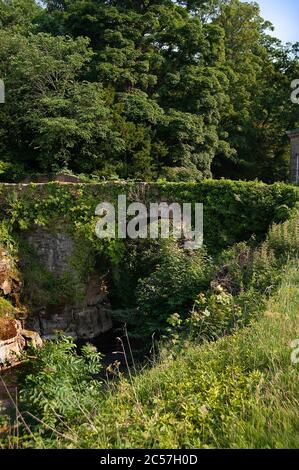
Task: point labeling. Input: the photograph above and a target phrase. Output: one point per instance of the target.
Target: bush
(172, 286)
(235, 210)
(259, 267)
(283, 239)
(245, 277)
(58, 383)
(213, 315)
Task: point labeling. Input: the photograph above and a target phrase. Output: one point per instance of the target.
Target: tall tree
(159, 49)
(260, 72)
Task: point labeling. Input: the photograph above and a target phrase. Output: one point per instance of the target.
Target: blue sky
(284, 14)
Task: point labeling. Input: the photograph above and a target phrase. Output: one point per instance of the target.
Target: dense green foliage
(233, 210)
(244, 277)
(58, 384)
(151, 89)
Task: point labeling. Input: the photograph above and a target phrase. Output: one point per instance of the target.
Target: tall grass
(241, 391)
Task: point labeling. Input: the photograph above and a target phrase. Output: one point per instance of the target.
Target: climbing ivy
(233, 210)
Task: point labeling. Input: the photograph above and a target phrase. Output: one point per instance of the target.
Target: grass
(241, 391)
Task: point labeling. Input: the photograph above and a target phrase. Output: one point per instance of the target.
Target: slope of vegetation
(241, 391)
(223, 377)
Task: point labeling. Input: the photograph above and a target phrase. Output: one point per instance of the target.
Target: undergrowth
(223, 377)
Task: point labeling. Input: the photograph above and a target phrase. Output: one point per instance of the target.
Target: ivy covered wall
(72, 281)
(233, 210)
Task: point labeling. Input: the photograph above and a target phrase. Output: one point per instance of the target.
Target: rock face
(13, 339)
(84, 319)
(81, 322)
(294, 163)
(9, 277)
(32, 338)
(54, 249)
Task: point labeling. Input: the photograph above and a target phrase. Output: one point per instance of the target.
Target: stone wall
(14, 339)
(294, 163)
(11, 344)
(84, 319)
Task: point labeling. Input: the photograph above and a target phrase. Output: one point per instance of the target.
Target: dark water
(112, 349)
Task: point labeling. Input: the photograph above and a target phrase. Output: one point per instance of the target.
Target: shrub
(172, 286)
(283, 239)
(213, 315)
(259, 267)
(245, 277)
(58, 382)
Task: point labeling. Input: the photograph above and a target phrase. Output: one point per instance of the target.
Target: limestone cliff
(79, 305)
(14, 339)
(50, 285)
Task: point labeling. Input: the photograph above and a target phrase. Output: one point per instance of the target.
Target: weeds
(213, 385)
